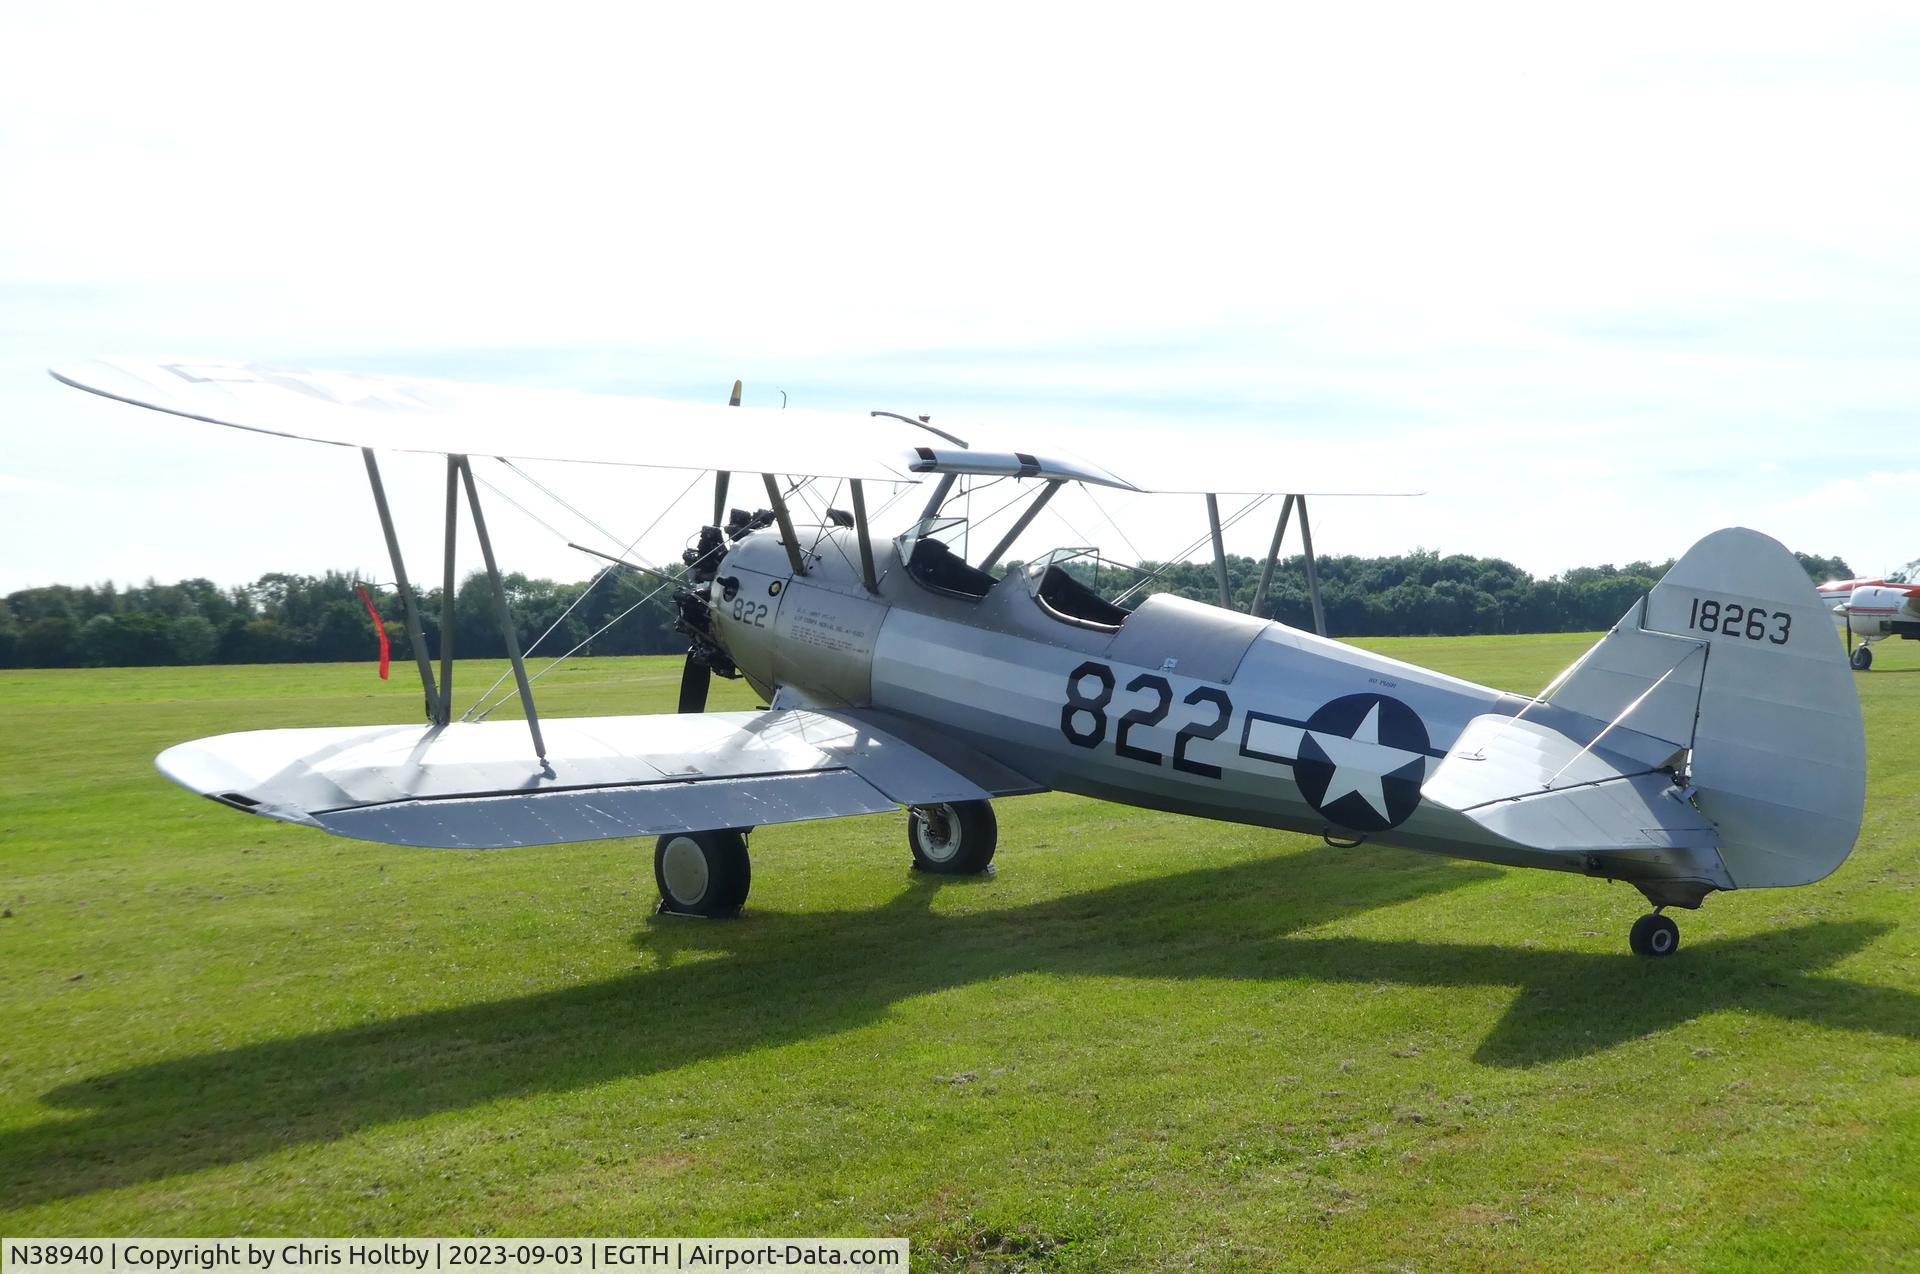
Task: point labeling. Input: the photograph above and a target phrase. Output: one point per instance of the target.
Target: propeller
(696, 677)
(696, 674)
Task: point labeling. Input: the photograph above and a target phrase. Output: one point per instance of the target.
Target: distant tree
(263, 641)
(1822, 569)
(30, 604)
(194, 639)
(9, 635)
(344, 632)
(53, 642)
(99, 642)
(130, 640)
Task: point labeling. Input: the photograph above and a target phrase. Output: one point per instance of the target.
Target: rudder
(1778, 757)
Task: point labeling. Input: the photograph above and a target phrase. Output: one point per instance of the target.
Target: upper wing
(446, 417)
(456, 418)
(474, 786)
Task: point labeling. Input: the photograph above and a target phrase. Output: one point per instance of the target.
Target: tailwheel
(1862, 658)
(702, 873)
(956, 839)
(1654, 935)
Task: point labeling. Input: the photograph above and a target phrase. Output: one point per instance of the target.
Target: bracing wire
(820, 531)
(611, 538)
(825, 527)
(585, 641)
(1087, 489)
(1003, 508)
(591, 584)
(1182, 556)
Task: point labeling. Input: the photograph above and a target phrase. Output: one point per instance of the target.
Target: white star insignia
(1361, 762)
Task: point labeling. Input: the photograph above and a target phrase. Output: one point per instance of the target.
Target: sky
(1596, 283)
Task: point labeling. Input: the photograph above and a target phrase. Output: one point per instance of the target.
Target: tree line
(1425, 594)
(290, 618)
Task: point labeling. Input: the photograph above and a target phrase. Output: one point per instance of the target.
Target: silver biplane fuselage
(1176, 705)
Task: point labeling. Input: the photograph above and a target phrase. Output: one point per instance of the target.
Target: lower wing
(474, 786)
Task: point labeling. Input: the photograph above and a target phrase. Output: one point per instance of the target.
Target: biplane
(1711, 740)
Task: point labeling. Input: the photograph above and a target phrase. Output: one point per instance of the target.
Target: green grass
(1148, 1041)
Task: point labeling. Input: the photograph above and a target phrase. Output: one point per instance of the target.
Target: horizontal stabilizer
(1541, 790)
(477, 786)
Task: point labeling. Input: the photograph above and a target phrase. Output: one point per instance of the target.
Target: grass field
(1147, 1042)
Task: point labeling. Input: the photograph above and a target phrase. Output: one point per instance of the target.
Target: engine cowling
(1872, 609)
(814, 632)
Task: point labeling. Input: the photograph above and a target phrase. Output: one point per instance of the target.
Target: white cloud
(1600, 281)
(10, 482)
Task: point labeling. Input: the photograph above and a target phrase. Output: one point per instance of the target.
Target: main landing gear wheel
(952, 840)
(702, 873)
(1654, 935)
(1862, 658)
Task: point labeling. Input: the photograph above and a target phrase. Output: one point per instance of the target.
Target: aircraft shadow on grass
(788, 977)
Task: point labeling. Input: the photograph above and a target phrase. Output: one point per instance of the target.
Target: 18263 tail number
(1731, 619)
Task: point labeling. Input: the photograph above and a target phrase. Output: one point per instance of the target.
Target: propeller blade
(695, 678)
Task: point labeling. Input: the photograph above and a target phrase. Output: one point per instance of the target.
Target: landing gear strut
(952, 840)
(1654, 935)
(702, 873)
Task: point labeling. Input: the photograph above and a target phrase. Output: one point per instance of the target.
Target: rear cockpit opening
(1068, 600)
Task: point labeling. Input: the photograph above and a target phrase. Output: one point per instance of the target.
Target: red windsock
(386, 649)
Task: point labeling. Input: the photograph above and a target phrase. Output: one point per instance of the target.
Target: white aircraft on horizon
(1875, 609)
(1711, 741)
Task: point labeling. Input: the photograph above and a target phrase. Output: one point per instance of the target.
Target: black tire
(1862, 658)
(702, 873)
(1654, 935)
(952, 840)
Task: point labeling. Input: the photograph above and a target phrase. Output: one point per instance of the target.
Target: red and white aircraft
(1875, 609)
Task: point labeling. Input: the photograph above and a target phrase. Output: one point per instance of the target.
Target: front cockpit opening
(935, 566)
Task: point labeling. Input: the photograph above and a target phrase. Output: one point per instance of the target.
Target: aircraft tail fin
(1732, 658)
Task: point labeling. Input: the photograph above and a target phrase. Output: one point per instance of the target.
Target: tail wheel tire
(702, 873)
(1862, 658)
(1654, 935)
(952, 840)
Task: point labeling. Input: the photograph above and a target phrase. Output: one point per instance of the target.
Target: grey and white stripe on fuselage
(1057, 715)
(1285, 730)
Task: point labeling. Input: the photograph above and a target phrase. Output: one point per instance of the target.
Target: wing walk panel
(476, 786)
